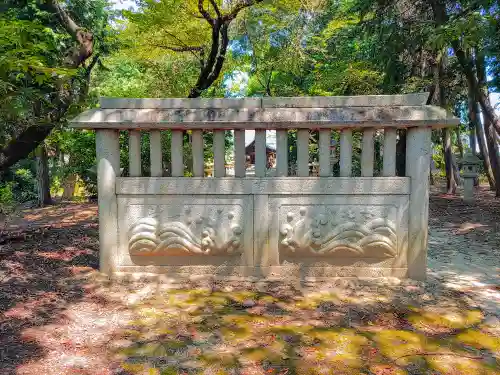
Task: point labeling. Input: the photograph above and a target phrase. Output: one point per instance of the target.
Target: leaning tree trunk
(441, 17)
(481, 139)
(42, 176)
(493, 153)
(440, 97)
(473, 109)
(31, 137)
(489, 130)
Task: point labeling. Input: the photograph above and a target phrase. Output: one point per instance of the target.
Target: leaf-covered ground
(60, 317)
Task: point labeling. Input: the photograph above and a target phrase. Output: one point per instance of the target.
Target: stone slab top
(371, 111)
(415, 99)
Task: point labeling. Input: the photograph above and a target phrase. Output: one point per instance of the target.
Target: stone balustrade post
(418, 153)
(108, 167)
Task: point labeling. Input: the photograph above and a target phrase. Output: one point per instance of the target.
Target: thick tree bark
(84, 38)
(42, 176)
(23, 145)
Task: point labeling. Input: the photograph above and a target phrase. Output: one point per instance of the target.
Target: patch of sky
(240, 47)
(125, 4)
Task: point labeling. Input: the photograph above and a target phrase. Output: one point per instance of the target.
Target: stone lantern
(470, 171)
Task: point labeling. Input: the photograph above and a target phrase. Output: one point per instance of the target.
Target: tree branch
(211, 68)
(20, 147)
(216, 8)
(179, 48)
(268, 83)
(91, 66)
(85, 39)
(65, 20)
(221, 56)
(238, 8)
(204, 13)
(102, 66)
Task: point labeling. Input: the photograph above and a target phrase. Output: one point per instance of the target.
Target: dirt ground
(59, 316)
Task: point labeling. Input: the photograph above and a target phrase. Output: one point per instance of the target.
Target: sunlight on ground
(287, 332)
(60, 317)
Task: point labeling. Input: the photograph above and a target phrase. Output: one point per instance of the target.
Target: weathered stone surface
(470, 171)
(265, 118)
(181, 103)
(269, 102)
(266, 186)
(347, 101)
(108, 167)
(353, 231)
(184, 230)
(418, 153)
(311, 228)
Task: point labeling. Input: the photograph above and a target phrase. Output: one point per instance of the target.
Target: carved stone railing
(312, 226)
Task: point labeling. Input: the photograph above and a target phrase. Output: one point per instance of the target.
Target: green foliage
(136, 77)
(18, 186)
(6, 197)
(29, 53)
(24, 188)
(279, 48)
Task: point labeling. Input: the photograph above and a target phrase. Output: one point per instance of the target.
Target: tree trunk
(459, 142)
(401, 154)
(483, 148)
(479, 89)
(476, 138)
(31, 137)
(480, 136)
(451, 183)
(69, 186)
(493, 154)
(472, 138)
(42, 176)
(489, 131)
(440, 98)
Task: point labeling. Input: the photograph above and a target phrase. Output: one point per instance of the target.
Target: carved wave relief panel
(341, 231)
(204, 230)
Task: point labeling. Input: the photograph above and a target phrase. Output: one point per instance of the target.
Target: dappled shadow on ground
(479, 220)
(372, 328)
(282, 330)
(60, 317)
(39, 279)
(464, 244)
(61, 215)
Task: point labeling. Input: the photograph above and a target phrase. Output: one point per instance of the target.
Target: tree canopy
(58, 56)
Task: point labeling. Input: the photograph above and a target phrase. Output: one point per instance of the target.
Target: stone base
(169, 274)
